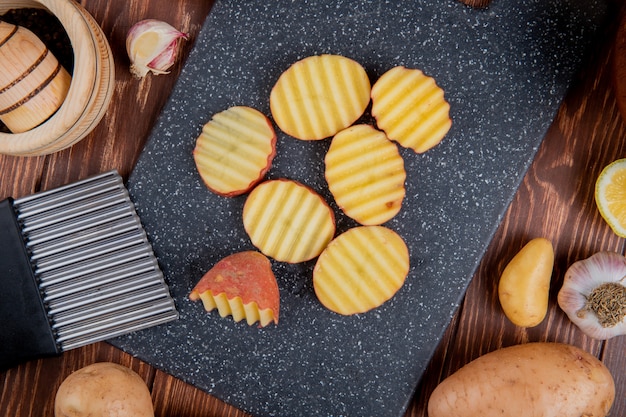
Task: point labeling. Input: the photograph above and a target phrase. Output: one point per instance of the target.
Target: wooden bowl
(90, 89)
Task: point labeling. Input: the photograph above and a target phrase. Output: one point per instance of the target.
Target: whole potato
(103, 389)
(528, 380)
(524, 285)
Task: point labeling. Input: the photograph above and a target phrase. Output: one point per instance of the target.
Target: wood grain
(619, 66)
(555, 200)
(117, 141)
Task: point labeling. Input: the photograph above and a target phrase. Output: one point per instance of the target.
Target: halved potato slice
(365, 173)
(288, 221)
(241, 285)
(361, 269)
(320, 95)
(410, 108)
(235, 150)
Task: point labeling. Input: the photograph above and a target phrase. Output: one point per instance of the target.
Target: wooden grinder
(33, 84)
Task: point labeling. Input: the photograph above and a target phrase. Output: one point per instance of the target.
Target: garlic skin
(600, 272)
(152, 46)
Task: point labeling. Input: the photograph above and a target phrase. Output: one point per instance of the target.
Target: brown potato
(530, 380)
(524, 286)
(103, 389)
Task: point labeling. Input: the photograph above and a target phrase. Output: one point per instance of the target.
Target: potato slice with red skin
(410, 108)
(319, 95)
(235, 150)
(288, 221)
(242, 285)
(365, 173)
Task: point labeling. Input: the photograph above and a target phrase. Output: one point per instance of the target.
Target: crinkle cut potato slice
(288, 221)
(410, 108)
(241, 285)
(235, 150)
(320, 95)
(361, 269)
(365, 174)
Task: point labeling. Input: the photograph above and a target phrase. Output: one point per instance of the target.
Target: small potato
(524, 285)
(103, 389)
(529, 380)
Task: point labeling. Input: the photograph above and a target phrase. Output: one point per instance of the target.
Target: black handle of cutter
(25, 331)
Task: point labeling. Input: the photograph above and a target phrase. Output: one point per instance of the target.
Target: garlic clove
(152, 46)
(593, 295)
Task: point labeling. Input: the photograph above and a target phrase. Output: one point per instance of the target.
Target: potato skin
(103, 389)
(530, 380)
(524, 285)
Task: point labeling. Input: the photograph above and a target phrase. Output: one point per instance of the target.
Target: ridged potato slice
(365, 174)
(288, 221)
(320, 95)
(410, 108)
(241, 285)
(361, 269)
(235, 150)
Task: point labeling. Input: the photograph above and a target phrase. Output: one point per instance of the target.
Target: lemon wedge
(610, 196)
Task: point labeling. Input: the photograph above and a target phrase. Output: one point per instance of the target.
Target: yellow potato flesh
(529, 380)
(319, 95)
(365, 174)
(103, 389)
(361, 269)
(525, 283)
(288, 221)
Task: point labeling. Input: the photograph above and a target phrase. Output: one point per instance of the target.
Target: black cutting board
(504, 69)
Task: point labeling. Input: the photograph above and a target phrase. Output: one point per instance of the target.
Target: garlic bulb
(152, 46)
(593, 295)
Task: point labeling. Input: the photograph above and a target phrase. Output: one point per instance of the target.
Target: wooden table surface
(555, 201)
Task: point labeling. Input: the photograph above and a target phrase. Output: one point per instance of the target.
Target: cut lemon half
(611, 196)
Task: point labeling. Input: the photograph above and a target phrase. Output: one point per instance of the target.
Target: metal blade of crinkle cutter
(94, 267)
